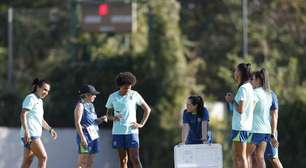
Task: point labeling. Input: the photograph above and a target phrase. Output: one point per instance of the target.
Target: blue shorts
(199, 141)
(271, 152)
(257, 138)
(125, 141)
(240, 136)
(29, 143)
(92, 148)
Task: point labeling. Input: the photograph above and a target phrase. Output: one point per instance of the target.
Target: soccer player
(271, 152)
(121, 109)
(195, 122)
(261, 130)
(86, 124)
(32, 123)
(243, 107)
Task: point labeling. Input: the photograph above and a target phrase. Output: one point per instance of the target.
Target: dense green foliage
(276, 31)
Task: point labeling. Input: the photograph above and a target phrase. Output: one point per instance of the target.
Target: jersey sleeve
(241, 95)
(274, 105)
(205, 114)
(185, 117)
(139, 99)
(109, 103)
(28, 103)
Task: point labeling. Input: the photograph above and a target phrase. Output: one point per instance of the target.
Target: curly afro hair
(125, 78)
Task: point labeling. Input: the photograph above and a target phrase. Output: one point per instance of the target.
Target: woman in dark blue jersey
(195, 122)
(86, 124)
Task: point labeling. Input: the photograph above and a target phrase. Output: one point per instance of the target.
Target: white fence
(62, 153)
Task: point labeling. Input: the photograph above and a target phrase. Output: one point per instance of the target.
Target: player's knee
(239, 156)
(260, 157)
(90, 163)
(124, 160)
(29, 160)
(43, 157)
(135, 158)
(83, 163)
(275, 161)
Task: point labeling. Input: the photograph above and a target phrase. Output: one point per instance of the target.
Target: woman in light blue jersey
(86, 124)
(243, 107)
(32, 123)
(121, 109)
(261, 130)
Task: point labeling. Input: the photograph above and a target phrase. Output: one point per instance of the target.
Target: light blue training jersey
(261, 118)
(244, 121)
(35, 114)
(125, 106)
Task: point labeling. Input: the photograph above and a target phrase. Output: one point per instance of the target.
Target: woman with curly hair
(121, 109)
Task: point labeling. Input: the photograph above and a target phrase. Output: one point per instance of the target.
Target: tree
(276, 31)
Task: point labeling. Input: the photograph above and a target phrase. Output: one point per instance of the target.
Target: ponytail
(245, 72)
(263, 76)
(266, 82)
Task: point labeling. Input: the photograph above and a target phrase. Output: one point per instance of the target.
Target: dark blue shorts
(240, 136)
(92, 148)
(257, 138)
(199, 141)
(189, 141)
(271, 152)
(125, 141)
(29, 143)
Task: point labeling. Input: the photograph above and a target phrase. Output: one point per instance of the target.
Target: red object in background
(103, 9)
